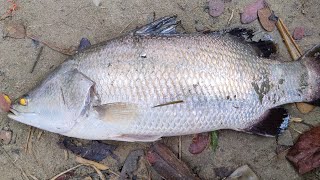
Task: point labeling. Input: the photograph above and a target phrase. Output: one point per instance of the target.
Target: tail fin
(312, 61)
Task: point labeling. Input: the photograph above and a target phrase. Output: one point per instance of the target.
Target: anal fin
(272, 123)
(137, 138)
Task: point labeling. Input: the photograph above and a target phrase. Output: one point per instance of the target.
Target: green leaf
(214, 140)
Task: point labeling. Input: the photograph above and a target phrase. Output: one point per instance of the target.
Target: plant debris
(298, 33)
(250, 13)
(5, 136)
(243, 172)
(216, 7)
(66, 176)
(163, 160)
(91, 163)
(199, 143)
(84, 43)
(131, 165)
(5, 103)
(95, 150)
(14, 29)
(214, 140)
(267, 19)
(305, 154)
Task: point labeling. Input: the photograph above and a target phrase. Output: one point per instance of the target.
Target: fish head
(57, 103)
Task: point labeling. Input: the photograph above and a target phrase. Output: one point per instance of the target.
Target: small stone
(199, 26)
(243, 172)
(298, 33)
(15, 30)
(216, 7)
(97, 2)
(5, 136)
(285, 139)
(250, 13)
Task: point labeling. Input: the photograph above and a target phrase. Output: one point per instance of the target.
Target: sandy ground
(66, 22)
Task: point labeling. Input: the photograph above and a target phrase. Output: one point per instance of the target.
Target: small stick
(68, 170)
(231, 16)
(33, 177)
(99, 172)
(28, 139)
(37, 59)
(89, 162)
(180, 147)
(39, 135)
(66, 154)
(290, 37)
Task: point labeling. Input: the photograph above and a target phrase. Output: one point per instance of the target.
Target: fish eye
(24, 100)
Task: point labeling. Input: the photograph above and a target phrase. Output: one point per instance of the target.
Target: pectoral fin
(117, 112)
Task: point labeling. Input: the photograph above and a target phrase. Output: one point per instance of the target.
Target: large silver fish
(154, 82)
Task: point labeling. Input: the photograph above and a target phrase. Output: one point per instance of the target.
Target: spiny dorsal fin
(166, 25)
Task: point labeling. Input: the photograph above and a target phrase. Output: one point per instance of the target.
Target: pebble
(250, 13)
(5, 136)
(216, 7)
(298, 33)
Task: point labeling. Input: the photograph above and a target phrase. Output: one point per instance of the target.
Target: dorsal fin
(166, 25)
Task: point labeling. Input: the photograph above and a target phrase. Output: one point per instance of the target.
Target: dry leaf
(167, 164)
(5, 103)
(304, 108)
(298, 33)
(199, 143)
(216, 7)
(15, 30)
(264, 19)
(305, 154)
(93, 163)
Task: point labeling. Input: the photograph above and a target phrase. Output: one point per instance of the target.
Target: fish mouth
(23, 117)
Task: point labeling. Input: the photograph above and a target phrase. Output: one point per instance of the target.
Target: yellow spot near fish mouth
(23, 101)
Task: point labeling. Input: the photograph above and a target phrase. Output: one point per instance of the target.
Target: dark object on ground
(250, 13)
(84, 43)
(222, 172)
(167, 164)
(66, 176)
(95, 151)
(298, 33)
(199, 143)
(131, 165)
(216, 7)
(305, 154)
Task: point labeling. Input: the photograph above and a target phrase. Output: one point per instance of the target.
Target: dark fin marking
(117, 112)
(168, 103)
(263, 48)
(272, 123)
(165, 25)
(84, 43)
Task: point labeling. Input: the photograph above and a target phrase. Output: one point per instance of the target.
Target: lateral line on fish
(169, 103)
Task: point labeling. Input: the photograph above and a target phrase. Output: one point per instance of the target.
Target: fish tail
(311, 59)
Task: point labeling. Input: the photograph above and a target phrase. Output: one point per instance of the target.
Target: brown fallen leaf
(14, 29)
(298, 33)
(131, 164)
(305, 154)
(162, 159)
(5, 103)
(304, 108)
(199, 143)
(265, 21)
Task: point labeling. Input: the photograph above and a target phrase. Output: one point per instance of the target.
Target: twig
(126, 26)
(69, 51)
(40, 134)
(99, 172)
(66, 154)
(290, 37)
(33, 177)
(28, 139)
(231, 16)
(180, 147)
(295, 130)
(89, 162)
(68, 170)
(37, 59)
